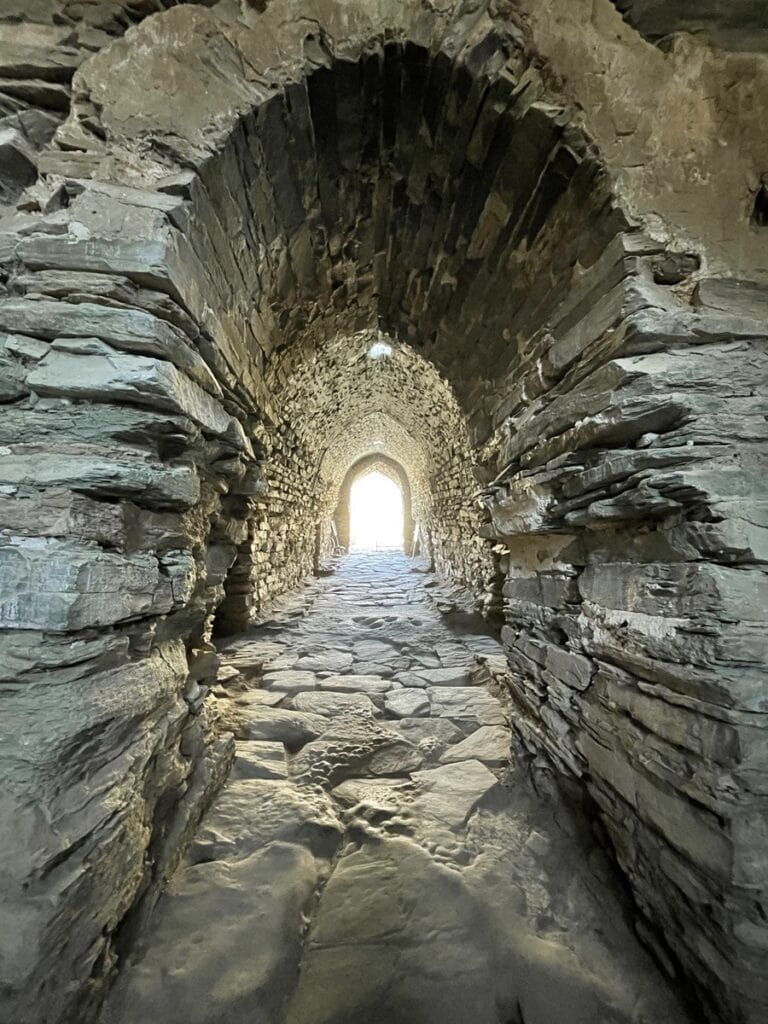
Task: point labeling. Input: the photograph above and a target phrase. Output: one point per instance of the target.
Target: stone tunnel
(512, 255)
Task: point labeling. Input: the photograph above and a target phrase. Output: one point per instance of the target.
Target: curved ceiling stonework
(736, 24)
(531, 203)
(344, 402)
(439, 199)
(665, 123)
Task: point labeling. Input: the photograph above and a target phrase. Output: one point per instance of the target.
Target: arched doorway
(384, 506)
(375, 513)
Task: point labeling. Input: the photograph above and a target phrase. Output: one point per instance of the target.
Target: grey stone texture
(734, 24)
(432, 894)
(208, 214)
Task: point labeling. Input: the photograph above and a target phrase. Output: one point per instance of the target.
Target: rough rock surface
(436, 896)
(210, 217)
(737, 24)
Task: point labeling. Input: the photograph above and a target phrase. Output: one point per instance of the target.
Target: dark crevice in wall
(759, 216)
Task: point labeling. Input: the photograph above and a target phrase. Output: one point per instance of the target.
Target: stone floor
(377, 856)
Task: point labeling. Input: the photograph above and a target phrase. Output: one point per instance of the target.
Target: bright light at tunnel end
(376, 513)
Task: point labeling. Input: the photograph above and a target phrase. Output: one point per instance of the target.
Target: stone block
(573, 669)
(332, 704)
(133, 330)
(58, 586)
(406, 703)
(466, 703)
(105, 473)
(357, 684)
(490, 745)
(450, 793)
(99, 373)
(459, 676)
(677, 590)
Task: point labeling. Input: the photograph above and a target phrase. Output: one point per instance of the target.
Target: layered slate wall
(633, 510)
(234, 207)
(119, 474)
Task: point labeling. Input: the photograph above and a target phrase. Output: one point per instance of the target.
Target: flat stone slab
(263, 698)
(259, 759)
(486, 646)
(452, 654)
(227, 673)
(290, 681)
(489, 744)
(332, 704)
(382, 793)
(450, 793)
(373, 650)
(251, 813)
(412, 679)
(252, 653)
(397, 939)
(453, 676)
(427, 661)
(196, 970)
(278, 725)
(467, 703)
(372, 668)
(280, 663)
(356, 684)
(328, 661)
(397, 758)
(432, 735)
(406, 703)
(355, 745)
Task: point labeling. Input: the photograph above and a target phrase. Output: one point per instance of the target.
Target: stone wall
(279, 550)
(736, 24)
(634, 517)
(193, 270)
(42, 43)
(118, 470)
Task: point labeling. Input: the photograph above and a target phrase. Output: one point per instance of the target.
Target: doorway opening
(376, 513)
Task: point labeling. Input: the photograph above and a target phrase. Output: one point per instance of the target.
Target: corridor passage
(380, 854)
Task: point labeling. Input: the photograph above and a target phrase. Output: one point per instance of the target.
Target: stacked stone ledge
(119, 465)
(636, 535)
